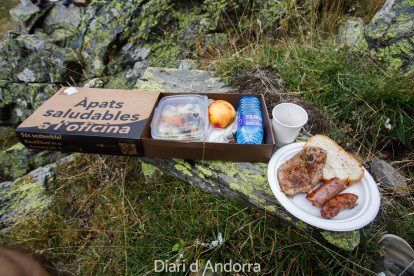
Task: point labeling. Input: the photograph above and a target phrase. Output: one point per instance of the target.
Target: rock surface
(101, 30)
(26, 195)
(188, 64)
(25, 58)
(180, 80)
(390, 34)
(30, 70)
(388, 37)
(25, 16)
(18, 161)
(61, 22)
(387, 174)
(18, 100)
(351, 32)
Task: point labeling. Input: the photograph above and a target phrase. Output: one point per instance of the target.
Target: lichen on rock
(344, 240)
(389, 35)
(18, 160)
(24, 196)
(101, 32)
(18, 100)
(27, 196)
(150, 171)
(26, 58)
(352, 32)
(25, 17)
(61, 22)
(180, 80)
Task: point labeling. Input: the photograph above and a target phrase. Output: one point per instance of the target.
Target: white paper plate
(300, 207)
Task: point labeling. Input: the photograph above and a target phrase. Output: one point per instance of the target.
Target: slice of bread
(339, 163)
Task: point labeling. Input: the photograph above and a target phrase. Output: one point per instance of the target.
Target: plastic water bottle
(249, 121)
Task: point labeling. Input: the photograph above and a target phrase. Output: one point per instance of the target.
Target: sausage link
(326, 191)
(336, 204)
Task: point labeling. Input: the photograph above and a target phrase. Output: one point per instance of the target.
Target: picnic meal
(197, 118)
(322, 159)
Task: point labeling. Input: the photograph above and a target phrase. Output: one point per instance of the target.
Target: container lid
(181, 117)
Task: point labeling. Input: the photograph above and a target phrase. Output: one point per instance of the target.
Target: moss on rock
(32, 60)
(18, 100)
(389, 34)
(183, 169)
(18, 160)
(28, 195)
(149, 171)
(345, 240)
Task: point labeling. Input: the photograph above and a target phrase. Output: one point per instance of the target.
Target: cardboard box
(117, 122)
(106, 121)
(212, 151)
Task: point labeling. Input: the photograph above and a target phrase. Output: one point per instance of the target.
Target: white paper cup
(288, 119)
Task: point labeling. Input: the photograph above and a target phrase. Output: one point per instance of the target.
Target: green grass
(373, 107)
(106, 219)
(5, 23)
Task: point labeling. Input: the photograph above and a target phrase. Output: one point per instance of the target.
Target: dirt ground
(267, 82)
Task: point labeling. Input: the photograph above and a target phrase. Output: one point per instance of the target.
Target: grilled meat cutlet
(302, 172)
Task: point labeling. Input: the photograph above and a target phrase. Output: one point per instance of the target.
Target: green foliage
(328, 15)
(178, 246)
(374, 107)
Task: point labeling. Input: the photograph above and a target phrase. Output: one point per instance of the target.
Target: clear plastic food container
(181, 118)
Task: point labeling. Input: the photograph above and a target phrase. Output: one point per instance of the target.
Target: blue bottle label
(250, 120)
